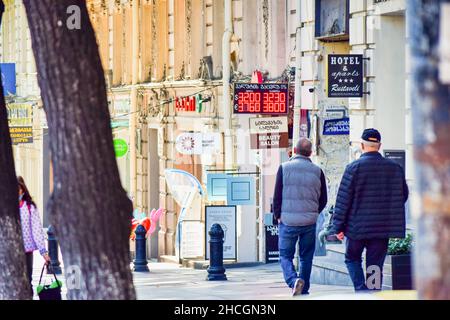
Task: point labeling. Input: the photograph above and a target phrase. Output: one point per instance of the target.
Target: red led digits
(261, 99)
(282, 102)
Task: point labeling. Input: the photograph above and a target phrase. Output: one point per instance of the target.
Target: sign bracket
(244, 173)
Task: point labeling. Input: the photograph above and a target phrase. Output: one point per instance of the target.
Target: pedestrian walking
(300, 195)
(370, 209)
(32, 231)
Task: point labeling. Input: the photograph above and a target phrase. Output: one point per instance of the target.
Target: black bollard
(140, 263)
(216, 271)
(55, 265)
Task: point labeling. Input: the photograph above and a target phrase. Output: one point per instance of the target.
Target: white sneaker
(298, 287)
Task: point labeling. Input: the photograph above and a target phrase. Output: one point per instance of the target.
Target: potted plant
(400, 252)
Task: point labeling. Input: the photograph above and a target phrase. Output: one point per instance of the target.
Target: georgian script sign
(269, 133)
(336, 127)
(345, 75)
(272, 251)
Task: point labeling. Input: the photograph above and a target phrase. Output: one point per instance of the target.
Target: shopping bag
(51, 291)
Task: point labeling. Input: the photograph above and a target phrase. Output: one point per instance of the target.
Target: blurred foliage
(400, 246)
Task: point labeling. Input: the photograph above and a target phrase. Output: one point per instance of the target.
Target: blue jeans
(287, 241)
(376, 250)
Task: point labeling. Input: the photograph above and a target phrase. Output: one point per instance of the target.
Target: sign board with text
(20, 114)
(397, 156)
(260, 98)
(345, 75)
(272, 251)
(336, 127)
(20, 135)
(197, 143)
(227, 218)
(269, 133)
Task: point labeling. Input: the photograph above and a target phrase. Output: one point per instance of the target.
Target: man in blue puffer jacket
(370, 209)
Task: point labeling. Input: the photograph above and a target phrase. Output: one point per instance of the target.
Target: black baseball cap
(371, 135)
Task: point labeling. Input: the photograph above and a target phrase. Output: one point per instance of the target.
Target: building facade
(31, 153)
(175, 48)
(163, 62)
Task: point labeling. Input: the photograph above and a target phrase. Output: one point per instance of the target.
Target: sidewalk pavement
(168, 281)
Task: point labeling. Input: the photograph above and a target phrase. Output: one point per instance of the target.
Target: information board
(226, 217)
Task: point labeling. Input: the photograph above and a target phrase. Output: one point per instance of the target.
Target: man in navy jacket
(370, 209)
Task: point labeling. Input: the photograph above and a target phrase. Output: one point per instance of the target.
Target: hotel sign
(345, 75)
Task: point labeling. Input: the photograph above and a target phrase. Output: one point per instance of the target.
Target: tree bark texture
(13, 280)
(431, 124)
(88, 208)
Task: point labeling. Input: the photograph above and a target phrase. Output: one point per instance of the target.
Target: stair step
(331, 269)
(329, 273)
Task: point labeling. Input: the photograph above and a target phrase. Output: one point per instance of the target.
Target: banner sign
(21, 134)
(20, 114)
(217, 186)
(336, 127)
(241, 191)
(226, 217)
(197, 143)
(272, 251)
(305, 124)
(345, 75)
(8, 78)
(269, 133)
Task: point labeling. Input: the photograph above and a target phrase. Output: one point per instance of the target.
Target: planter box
(401, 272)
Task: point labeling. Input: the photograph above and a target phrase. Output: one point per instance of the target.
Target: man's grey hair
(304, 147)
(371, 144)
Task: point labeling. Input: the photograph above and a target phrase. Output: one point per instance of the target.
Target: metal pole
(297, 93)
(53, 252)
(229, 154)
(133, 98)
(431, 122)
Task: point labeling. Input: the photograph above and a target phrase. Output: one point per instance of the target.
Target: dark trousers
(376, 250)
(29, 258)
(287, 241)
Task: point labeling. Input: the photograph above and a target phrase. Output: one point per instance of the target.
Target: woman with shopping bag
(32, 231)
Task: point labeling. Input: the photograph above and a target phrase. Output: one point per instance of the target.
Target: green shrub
(400, 246)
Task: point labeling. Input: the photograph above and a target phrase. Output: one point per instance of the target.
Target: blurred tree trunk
(431, 122)
(13, 278)
(88, 208)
